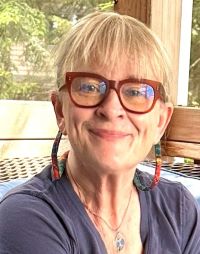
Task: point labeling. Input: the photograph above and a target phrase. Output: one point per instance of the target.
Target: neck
(106, 195)
(110, 200)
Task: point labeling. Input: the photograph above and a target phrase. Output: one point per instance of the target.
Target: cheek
(146, 125)
(75, 117)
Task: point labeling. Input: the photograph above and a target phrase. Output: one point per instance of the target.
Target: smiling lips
(109, 135)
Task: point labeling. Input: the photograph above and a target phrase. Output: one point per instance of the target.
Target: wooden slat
(181, 149)
(184, 125)
(166, 23)
(139, 9)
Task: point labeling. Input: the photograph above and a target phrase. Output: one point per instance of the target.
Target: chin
(112, 162)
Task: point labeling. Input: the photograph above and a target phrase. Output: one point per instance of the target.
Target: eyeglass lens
(89, 91)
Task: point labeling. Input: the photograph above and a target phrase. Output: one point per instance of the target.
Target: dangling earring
(55, 172)
(139, 180)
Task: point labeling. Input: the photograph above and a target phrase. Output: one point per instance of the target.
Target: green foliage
(35, 25)
(69, 9)
(23, 90)
(108, 6)
(188, 161)
(19, 24)
(194, 83)
(16, 90)
(59, 26)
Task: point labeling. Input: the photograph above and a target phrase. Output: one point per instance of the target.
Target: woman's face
(108, 136)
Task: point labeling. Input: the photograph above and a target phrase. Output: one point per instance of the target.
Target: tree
(19, 24)
(194, 83)
(34, 26)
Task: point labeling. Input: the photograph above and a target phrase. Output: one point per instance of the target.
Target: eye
(138, 90)
(149, 92)
(134, 92)
(102, 87)
(99, 87)
(89, 88)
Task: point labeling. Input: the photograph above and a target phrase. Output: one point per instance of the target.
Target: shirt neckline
(144, 223)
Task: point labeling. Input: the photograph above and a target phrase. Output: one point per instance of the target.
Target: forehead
(122, 69)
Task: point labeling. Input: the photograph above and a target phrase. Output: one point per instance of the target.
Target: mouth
(109, 135)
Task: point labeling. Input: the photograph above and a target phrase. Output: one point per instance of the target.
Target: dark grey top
(47, 217)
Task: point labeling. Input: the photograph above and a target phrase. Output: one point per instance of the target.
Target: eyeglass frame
(159, 91)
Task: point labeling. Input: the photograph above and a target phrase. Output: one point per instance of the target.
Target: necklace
(119, 239)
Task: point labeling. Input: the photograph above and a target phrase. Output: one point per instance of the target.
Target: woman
(114, 106)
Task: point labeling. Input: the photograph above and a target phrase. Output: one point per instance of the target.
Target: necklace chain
(97, 215)
(106, 223)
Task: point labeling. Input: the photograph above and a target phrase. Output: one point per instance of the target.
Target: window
(29, 29)
(194, 78)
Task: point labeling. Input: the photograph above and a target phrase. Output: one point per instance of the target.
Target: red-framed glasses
(88, 90)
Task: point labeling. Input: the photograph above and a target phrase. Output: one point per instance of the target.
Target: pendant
(119, 242)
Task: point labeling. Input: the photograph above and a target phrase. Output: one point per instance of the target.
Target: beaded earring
(55, 171)
(147, 184)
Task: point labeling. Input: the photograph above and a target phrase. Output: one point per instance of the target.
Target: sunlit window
(29, 29)
(194, 80)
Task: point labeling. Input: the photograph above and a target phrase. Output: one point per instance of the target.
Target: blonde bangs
(103, 39)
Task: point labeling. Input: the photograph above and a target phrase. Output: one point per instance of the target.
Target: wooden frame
(139, 9)
(182, 138)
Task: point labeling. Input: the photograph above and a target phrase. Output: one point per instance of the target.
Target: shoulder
(29, 225)
(172, 197)
(39, 182)
(174, 192)
(175, 214)
(168, 190)
(39, 193)
(30, 212)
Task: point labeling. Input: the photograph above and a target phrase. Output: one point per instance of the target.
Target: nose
(111, 107)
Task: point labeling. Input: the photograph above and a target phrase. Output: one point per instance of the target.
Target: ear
(58, 111)
(166, 111)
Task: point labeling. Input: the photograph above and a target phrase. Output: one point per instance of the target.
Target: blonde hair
(103, 38)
